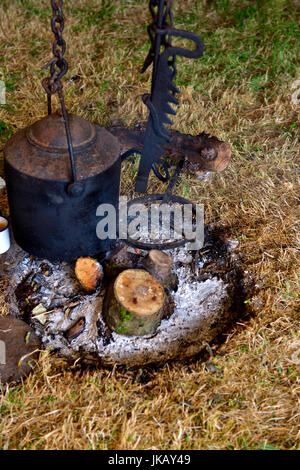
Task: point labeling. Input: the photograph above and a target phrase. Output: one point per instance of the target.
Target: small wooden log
(159, 265)
(75, 330)
(88, 272)
(135, 303)
(119, 260)
(207, 153)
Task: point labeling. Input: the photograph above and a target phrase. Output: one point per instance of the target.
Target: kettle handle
(75, 188)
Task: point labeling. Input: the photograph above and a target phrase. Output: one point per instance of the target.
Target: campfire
(136, 307)
(115, 299)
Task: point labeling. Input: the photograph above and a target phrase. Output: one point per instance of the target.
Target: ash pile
(134, 307)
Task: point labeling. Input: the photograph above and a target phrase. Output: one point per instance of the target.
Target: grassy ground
(240, 91)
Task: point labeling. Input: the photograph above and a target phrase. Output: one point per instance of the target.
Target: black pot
(47, 220)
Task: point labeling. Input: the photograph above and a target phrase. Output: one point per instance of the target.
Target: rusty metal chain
(58, 65)
(58, 68)
(167, 23)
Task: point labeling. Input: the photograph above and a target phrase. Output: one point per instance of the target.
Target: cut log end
(135, 303)
(139, 292)
(88, 272)
(161, 259)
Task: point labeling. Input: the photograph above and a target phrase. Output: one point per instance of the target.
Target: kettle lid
(50, 133)
(41, 150)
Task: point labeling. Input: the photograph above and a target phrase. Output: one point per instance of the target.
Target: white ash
(199, 304)
(183, 326)
(164, 233)
(194, 301)
(53, 335)
(57, 287)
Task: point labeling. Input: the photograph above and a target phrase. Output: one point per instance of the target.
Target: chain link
(58, 65)
(58, 68)
(167, 23)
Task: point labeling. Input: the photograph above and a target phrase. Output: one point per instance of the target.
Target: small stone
(18, 345)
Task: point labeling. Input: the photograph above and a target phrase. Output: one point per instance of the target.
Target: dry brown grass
(254, 401)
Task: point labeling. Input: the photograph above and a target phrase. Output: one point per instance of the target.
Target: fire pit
(209, 295)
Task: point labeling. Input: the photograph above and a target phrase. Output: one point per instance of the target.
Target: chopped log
(75, 330)
(159, 265)
(207, 152)
(88, 272)
(135, 303)
(119, 260)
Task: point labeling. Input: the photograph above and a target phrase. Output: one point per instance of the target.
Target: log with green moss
(135, 303)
